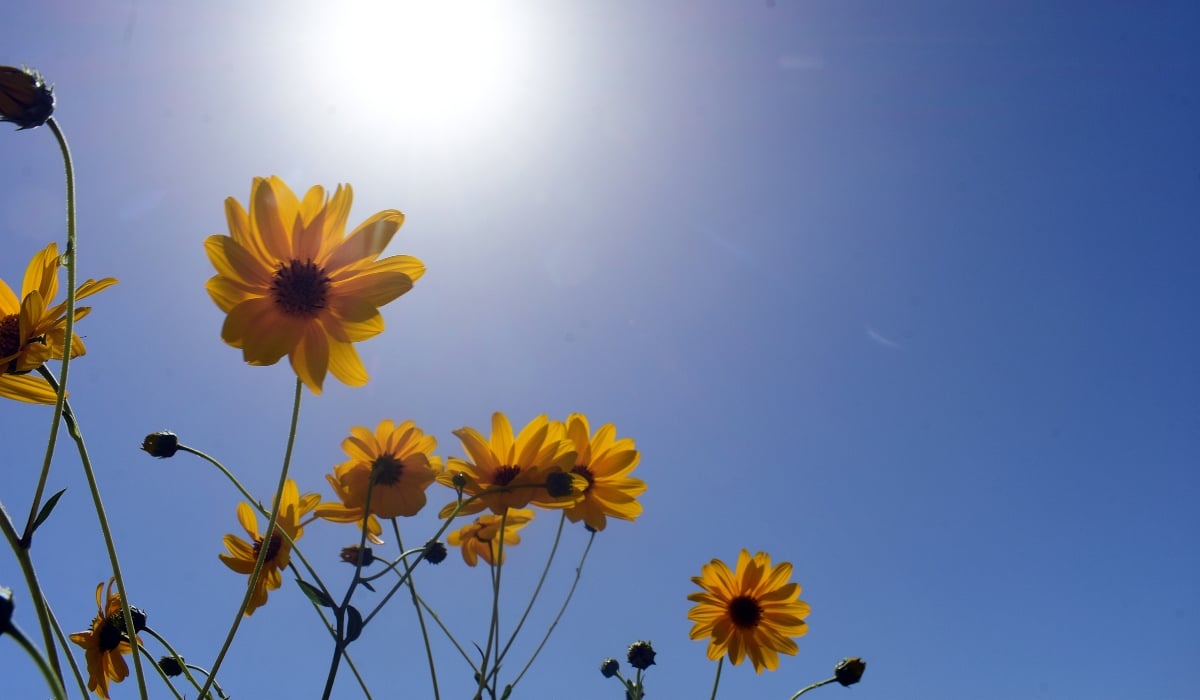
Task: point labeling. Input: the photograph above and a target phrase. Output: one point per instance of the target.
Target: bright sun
(437, 68)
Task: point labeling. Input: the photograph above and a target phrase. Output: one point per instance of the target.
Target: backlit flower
(292, 283)
(518, 465)
(105, 643)
(605, 463)
(753, 611)
(399, 458)
(32, 331)
(25, 98)
(482, 537)
(243, 555)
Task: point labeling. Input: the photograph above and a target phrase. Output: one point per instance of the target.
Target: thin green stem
(446, 631)
(105, 529)
(412, 588)
(818, 684)
(216, 685)
(494, 627)
(717, 680)
(40, 606)
(538, 589)
(339, 637)
(47, 673)
(561, 610)
(69, 259)
(262, 551)
(66, 646)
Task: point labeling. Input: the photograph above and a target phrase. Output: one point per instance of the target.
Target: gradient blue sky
(902, 293)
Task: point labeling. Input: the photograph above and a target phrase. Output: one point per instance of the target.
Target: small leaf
(506, 693)
(316, 595)
(366, 584)
(354, 623)
(49, 506)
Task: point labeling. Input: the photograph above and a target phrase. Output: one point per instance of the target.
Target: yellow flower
(32, 331)
(605, 463)
(399, 457)
(518, 464)
(753, 611)
(242, 555)
(479, 539)
(104, 643)
(292, 283)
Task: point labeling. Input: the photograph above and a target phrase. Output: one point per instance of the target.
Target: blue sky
(902, 293)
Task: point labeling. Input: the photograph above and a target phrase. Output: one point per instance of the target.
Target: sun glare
(438, 68)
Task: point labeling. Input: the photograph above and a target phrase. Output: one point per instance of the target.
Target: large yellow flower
(32, 331)
(242, 555)
(753, 611)
(518, 465)
(292, 283)
(401, 460)
(480, 538)
(606, 463)
(104, 643)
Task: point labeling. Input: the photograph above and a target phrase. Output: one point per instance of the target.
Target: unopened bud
(161, 444)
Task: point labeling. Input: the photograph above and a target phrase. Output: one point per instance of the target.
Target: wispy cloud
(882, 340)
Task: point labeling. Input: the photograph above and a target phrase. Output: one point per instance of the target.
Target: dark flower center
(300, 288)
(745, 611)
(386, 470)
(10, 337)
(272, 549)
(110, 634)
(585, 472)
(505, 475)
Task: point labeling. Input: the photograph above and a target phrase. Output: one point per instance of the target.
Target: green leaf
(46, 508)
(316, 595)
(354, 623)
(366, 584)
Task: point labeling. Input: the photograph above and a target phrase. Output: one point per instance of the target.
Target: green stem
(494, 627)
(47, 672)
(262, 551)
(105, 529)
(68, 328)
(412, 588)
(40, 606)
(339, 637)
(717, 680)
(561, 610)
(175, 655)
(538, 589)
(436, 618)
(216, 685)
(818, 684)
(66, 646)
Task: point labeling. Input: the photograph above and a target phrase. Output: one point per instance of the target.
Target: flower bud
(25, 99)
(849, 671)
(609, 667)
(435, 552)
(170, 666)
(641, 655)
(6, 608)
(161, 444)
(350, 555)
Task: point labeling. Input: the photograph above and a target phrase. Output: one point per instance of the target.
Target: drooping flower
(519, 465)
(753, 611)
(292, 283)
(105, 642)
(243, 555)
(399, 458)
(605, 462)
(25, 98)
(32, 331)
(481, 538)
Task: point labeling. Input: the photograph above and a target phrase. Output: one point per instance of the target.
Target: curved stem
(717, 680)
(175, 655)
(68, 328)
(412, 588)
(494, 627)
(66, 646)
(339, 637)
(161, 674)
(262, 551)
(40, 606)
(561, 610)
(538, 589)
(105, 529)
(47, 673)
(818, 684)
(216, 685)
(446, 631)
